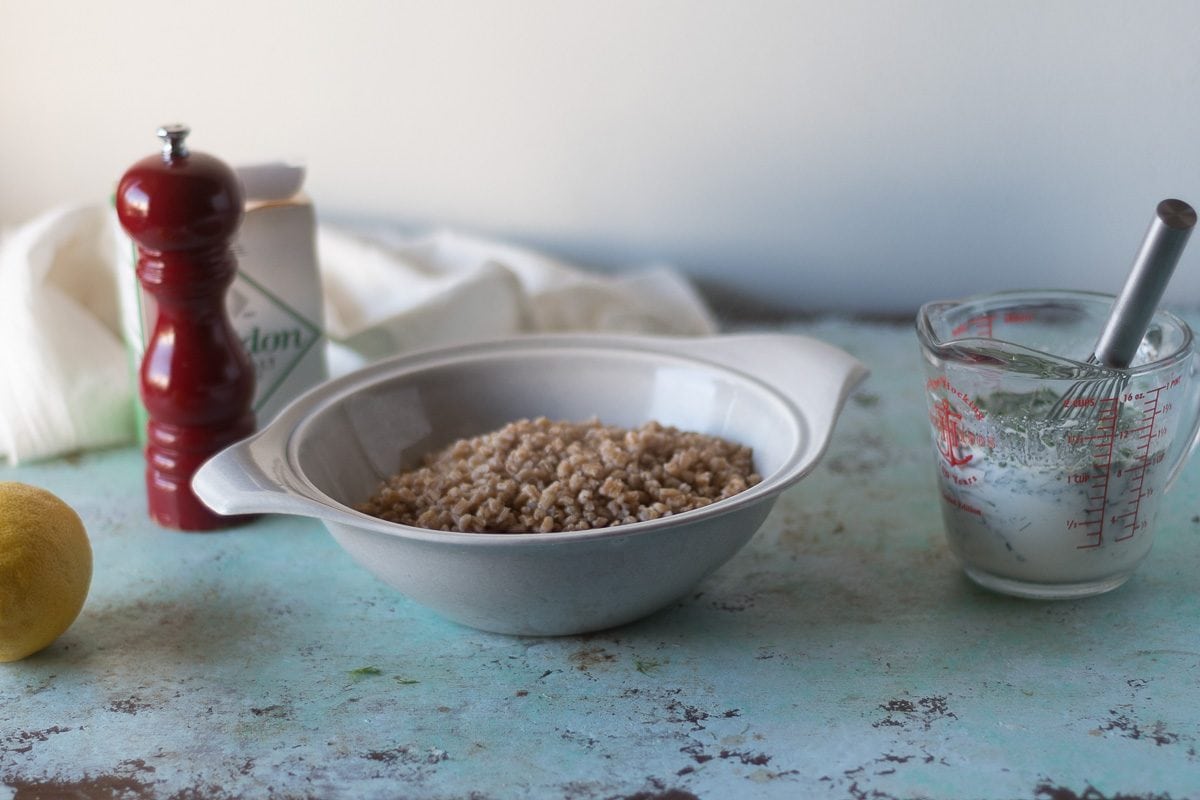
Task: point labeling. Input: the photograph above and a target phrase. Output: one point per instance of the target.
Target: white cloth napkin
(66, 380)
(388, 294)
(68, 383)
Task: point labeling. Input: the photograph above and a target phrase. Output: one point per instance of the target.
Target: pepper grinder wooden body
(182, 210)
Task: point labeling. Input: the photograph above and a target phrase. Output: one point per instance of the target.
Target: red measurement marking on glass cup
(1126, 520)
(1129, 520)
(978, 327)
(981, 327)
(1101, 442)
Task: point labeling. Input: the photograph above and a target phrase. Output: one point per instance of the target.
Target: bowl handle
(245, 478)
(816, 376)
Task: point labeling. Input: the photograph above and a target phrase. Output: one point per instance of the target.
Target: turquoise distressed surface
(841, 654)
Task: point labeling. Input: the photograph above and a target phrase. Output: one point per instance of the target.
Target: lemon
(45, 568)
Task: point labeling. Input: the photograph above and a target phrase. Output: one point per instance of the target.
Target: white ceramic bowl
(329, 450)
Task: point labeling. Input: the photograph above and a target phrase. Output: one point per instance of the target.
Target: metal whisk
(1134, 307)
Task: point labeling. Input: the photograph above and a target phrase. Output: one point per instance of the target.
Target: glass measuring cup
(1051, 469)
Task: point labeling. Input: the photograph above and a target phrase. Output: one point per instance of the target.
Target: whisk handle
(1135, 305)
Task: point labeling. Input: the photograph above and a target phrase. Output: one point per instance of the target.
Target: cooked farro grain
(541, 476)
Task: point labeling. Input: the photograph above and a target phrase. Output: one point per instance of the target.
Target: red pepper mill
(197, 384)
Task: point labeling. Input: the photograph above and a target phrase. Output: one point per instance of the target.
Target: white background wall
(802, 155)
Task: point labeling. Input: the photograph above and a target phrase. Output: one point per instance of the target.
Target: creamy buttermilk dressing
(1033, 523)
(1039, 501)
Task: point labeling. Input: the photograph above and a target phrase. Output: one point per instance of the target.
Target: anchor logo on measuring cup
(946, 422)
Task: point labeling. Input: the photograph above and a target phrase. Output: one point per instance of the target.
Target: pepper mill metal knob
(182, 210)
